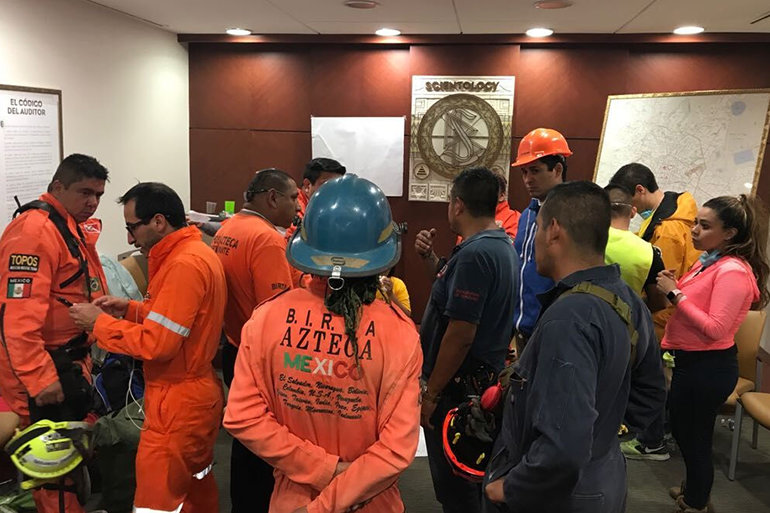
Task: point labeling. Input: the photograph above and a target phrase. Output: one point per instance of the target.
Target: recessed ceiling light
(553, 4)
(539, 32)
(388, 32)
(238, 32)
(361, 4)
(688, 30)
(749, 185)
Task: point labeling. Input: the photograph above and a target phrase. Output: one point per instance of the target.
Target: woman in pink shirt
(711, 301)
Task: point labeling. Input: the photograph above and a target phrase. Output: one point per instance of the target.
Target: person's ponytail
(747, 216)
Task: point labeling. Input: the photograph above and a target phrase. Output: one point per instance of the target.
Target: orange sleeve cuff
(134, 312)
(103, 330)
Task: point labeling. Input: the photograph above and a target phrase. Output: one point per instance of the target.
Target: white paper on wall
(30, 145)
(372, 148)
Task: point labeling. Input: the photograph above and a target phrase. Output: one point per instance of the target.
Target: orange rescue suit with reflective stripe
(176, 331)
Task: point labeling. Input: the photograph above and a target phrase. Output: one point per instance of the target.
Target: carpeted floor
(648, 481)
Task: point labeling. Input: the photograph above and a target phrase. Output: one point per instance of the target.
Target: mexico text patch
(19, 288)
(25, 263)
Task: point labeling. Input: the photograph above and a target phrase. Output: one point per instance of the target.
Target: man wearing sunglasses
(176, 332)
(253, 254)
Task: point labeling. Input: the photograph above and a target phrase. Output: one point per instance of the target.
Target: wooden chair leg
(736, 439)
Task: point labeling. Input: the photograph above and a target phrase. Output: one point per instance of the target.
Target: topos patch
(24, 263)
(19, 288)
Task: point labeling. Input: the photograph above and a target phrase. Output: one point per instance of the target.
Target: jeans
(702, 381)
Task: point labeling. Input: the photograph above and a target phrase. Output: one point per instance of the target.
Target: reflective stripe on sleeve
(169, 324)
(203, 473)
(150, 510)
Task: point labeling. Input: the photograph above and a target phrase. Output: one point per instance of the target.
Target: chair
(137, 267)
(747, 339)
(757, 406)
(749, 374)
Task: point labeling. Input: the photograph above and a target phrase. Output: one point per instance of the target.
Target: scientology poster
(457, 122)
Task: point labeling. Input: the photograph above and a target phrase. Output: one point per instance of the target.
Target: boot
(676, 491)
(683, 507)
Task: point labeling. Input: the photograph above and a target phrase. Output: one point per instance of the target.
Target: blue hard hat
(347, 231)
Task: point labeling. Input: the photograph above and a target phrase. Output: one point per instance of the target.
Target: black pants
(653, 436)
(455, 494)
(701, 383)
(251, 478)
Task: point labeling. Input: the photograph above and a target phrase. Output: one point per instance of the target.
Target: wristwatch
(427, 395)
(671, 296)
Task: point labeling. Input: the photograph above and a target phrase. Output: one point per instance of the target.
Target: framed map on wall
(709, 143)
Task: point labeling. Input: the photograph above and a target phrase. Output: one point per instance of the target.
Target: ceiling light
(361, 4)
(553, 4)
(688, 30)
(539, 32)
(749, 185)
(388, 32)
(238, 32)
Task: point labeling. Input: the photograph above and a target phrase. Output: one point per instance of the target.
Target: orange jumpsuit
(253, 255)
(176, 332)
(35, 264)
(505, 218)
(299, 401)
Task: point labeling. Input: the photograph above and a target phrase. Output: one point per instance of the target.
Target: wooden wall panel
(464, 60)
(360, 81)
(232, 87)
(566, 89)
(250, 105)
(693, 68)
(222, 162)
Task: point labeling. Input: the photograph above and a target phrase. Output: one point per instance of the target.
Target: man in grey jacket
(587, 364)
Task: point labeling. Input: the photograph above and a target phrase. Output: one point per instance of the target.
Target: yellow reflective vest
(632, 254)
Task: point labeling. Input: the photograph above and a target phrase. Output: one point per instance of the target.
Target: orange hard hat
(539, 143)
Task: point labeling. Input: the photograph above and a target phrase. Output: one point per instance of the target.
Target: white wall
(124, 93)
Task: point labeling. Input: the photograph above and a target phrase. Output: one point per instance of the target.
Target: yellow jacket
(669, 228)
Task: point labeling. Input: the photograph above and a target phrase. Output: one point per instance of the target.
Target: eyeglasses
(130, 227)
(260, 191)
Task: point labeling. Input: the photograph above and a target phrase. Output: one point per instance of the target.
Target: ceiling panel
(714, 16)
(443, 16)
(208, 17)
(585, 16)
(310, 11)
(406, 27)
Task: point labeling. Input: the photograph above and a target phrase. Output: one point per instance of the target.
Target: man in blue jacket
(586, 365)
(542, 159)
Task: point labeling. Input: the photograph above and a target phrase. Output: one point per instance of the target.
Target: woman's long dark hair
(349, 301)
(747, 216)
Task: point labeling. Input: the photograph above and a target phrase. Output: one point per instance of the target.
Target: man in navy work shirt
(558, 450)
(542, 159)
(467, 324)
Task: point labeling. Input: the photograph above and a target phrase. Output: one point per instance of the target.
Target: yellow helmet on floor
(49, 450)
